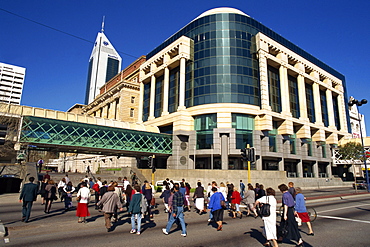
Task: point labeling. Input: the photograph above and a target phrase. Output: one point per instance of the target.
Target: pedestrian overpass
(68, 132)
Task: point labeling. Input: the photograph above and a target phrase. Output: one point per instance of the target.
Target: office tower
(11, 83)
(104, 64)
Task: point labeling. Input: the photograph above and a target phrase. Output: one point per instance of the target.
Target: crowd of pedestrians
(177, 198)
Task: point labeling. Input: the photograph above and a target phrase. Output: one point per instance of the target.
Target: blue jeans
(210, 215)
(133, 224)
(180, 216)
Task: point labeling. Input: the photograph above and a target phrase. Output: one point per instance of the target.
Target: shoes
(209, 220)
(300, 243)
(267, 244)
(109, 229)
(311, 234)
(164, 231)
(26, 221)
(80, 221)
(234, 217)
(184, 235)
(241, 216)
(219, 228)
(151, 216)
(23, 219)
(138, 233)
(132, 231)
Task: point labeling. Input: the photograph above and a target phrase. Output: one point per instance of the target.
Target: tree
(351, 151)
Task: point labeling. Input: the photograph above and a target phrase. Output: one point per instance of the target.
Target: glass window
(274, 89)
(158, 97)
(310, 103)
(244, 125)
(293, 96)
(324, 108)
(292, 140)
(146, 101)
(272, 134)
(173, 94)
(204, 125)
(336, 112)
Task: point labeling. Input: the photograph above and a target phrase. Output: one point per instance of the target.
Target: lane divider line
(340, 218)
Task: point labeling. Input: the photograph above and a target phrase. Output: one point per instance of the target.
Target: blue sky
(334, 31)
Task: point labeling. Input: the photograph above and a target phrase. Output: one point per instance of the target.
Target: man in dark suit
(28, 196)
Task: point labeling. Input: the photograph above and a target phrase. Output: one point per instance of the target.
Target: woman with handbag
(110, 201)
(50, 195)
(269, 216)
(217, 205)
(83, 198)
(288, 222)
(148, 193)
(68, 191)
(300, 208)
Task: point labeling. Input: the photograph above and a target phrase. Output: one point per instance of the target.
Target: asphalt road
(340, 222)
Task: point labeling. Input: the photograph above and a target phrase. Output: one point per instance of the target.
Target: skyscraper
(104, 64)
(11, 83)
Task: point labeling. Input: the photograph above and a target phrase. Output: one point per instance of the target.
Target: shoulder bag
(265, 208)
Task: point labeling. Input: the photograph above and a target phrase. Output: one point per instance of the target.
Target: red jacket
(235, 197)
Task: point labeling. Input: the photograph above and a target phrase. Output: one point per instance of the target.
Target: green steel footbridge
(76, 137)
(46, 129)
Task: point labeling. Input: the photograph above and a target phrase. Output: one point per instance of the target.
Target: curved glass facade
(224, 68)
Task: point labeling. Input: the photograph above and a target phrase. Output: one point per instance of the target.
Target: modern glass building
(225, 81)
(104, 64)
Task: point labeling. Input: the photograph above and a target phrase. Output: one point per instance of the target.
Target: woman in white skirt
(269, 221)
(199, 198)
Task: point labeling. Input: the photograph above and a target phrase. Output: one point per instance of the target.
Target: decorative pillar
(317, 103)
(165, 91)
(302, 97)
(284, 86)
(224, 152)
(264, 85)
(328, 170)
(300, 169)
(342, 113)
(315, 170)
(112, 110)
(182, 85)
(152, 98)
(141, 103)
(329, 103)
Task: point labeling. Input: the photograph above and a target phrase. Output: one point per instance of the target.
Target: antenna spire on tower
(102, 25)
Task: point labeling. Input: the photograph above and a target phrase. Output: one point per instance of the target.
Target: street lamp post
(360, 103)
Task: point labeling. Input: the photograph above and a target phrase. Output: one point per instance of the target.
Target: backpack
(96, 187)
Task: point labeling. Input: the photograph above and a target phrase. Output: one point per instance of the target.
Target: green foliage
(351, 151)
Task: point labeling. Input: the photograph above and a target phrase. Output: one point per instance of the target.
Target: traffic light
(150, 161)
(3, 131)
(244, 154)
(248, 154)
(252, 155)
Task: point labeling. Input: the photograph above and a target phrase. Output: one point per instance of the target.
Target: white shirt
(61, 184)
(84, 192)
(125, 183)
